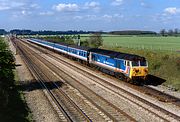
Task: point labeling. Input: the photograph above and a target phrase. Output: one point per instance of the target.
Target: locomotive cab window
(135, 63)
(143, 63)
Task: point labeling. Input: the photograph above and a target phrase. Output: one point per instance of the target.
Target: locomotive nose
(140, 71)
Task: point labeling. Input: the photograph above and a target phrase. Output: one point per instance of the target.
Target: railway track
(106, 108)
(67, 109)
(104, 84)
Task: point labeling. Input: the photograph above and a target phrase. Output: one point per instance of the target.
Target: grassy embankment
(12, 104)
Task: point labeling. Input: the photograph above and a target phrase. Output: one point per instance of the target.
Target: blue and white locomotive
(122, 65)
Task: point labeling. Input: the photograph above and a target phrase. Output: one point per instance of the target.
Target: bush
(166, 57)
(178, 63)
(95, 40)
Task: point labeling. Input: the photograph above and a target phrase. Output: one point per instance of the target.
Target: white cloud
(47, 13)
(145, 5)
(21, 14)
(92, 5)
(6, 4)
(163, 18)
(167, 15)
(112, 17)
(107, 16)
(36, 6)
(78, 17)
(91, 17)
(118, 16)
(4, 8)
(172, 10)
(66, 7)
(117, 2)
(18, 5)
(25, 13)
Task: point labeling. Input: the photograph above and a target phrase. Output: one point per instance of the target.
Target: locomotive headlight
(145, 70)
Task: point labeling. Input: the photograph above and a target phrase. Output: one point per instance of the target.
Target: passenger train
(124, 66)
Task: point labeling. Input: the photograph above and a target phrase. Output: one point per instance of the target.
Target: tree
(176, 31)
(170, 32)
(2, 31)
(95, 40)
(163, 32)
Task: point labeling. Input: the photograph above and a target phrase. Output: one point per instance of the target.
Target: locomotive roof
(80, 47)
(118, 55)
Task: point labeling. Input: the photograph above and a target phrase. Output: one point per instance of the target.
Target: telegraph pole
(79, 40)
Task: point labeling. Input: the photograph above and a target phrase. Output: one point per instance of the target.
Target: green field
(151, 43)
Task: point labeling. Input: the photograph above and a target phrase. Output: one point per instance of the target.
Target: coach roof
(117, 55)
(80, 47)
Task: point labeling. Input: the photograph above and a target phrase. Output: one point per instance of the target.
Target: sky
(90, 15)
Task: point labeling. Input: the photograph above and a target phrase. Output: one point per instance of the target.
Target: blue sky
(95, 15)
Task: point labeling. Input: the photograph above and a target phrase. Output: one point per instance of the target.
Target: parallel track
(69, 109)
(84, 72)
(113, 112)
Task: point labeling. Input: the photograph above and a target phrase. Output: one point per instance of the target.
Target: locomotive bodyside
(121, 65)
